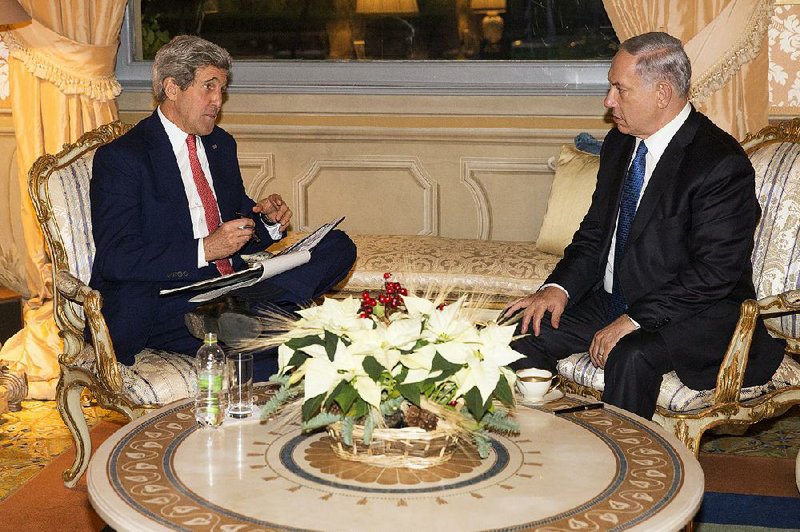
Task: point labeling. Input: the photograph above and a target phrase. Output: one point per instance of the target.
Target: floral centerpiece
(401, 369)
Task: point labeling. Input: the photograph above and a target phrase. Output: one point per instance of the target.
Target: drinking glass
(240, 385)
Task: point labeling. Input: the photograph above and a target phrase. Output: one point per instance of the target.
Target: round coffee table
(593, 470)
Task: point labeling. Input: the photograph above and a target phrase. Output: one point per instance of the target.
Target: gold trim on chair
(82, 367)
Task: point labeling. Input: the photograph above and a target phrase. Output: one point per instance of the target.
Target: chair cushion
(676, 396)
(776, 255)
(570, 196)
(68, 191)
(156, 377)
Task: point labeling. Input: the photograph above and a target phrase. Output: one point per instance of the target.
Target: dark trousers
(633, 370)
(330, 262)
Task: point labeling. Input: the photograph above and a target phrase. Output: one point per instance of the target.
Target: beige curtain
(61, 72)
(726, 42)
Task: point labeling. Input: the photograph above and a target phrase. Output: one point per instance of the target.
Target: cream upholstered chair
(59, 188)
(775, 154)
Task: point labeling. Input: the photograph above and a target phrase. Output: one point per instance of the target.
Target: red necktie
(207, 197)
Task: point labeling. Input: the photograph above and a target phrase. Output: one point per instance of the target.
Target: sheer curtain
(61, 72)
(726, 42)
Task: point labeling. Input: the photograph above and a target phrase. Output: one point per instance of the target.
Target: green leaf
(474, 403)
(369, 426)
(503, 391)
(311, 406)
(323, 419)
(331, 341)
(359, 409)
(410, 392)
(346, 395)
(373, 368)
(447, 368)
(305, 341)
(297, 359)
(332, 396)
(347, 431)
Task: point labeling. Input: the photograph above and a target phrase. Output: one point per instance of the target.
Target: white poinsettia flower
(420, 358)
(386, 343)
(417, 306)
(447, 325)
(322, 375)
(494, 344)
(488, 361)
(418, 375)
(339, 317)
(284, 356)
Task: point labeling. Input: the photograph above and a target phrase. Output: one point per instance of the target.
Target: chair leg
(68, 402)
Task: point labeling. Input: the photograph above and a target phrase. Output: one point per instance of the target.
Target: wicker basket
(410, 447)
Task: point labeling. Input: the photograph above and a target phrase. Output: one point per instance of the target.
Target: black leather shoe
(200, 323)
(235, 327)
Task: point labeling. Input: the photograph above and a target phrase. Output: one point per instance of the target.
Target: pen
(579, 408)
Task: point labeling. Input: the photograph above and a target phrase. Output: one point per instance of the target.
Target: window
(384, 46)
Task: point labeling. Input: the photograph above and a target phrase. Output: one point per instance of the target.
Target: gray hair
(660, 56)
(181, 57)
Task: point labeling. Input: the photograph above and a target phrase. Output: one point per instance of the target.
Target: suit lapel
(663, 176)
(166, 174)
(216, 165)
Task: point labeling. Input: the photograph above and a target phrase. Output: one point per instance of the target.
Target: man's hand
(550, 299)
(228, 238)
(606, 338)
(275, 209)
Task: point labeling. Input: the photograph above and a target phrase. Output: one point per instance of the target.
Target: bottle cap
(210, 338)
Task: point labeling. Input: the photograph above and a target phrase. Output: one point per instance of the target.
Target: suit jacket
(142, 228)
(686, 267)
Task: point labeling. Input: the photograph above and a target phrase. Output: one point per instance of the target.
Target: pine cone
(424, 419)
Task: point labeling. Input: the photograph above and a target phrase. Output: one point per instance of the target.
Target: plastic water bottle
(209, 403)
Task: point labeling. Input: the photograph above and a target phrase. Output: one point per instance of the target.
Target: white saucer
(552, 395)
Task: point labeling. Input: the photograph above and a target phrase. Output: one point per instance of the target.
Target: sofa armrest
(75, 290)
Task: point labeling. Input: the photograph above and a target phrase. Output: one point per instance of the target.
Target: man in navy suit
(655, 275)
(169, 208)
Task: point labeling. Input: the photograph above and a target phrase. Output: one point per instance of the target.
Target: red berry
(362, 315)
(387, 275)
(403, 292)
(365, 294)
(390, 289)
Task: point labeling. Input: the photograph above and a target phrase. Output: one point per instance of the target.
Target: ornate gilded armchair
(775, 154)
(59, 188)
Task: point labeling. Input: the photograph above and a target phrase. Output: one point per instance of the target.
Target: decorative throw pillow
(570, 196)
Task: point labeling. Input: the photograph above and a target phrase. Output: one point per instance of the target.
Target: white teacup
(534, 383)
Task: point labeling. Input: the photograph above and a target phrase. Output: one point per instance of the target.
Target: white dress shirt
(177, 138)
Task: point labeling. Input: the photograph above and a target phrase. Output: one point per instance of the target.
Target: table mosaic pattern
(593, 470)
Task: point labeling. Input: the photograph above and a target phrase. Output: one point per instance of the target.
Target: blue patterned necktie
(631, 190)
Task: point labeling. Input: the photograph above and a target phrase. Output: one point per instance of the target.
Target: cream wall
(464, 167)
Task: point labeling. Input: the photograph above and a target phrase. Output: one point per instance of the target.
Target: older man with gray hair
(169, 208)
(654, 277)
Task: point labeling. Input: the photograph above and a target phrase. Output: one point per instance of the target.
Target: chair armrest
(731, 372)
(77, 291)
(780, 304)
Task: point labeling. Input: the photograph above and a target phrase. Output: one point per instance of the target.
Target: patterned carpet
(33, 437)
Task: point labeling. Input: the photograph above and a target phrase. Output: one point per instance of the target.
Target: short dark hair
(181, 57)
(660, 56)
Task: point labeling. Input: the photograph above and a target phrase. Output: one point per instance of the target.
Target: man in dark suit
(169, 208)
(654, 277)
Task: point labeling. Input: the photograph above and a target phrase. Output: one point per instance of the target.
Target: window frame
(430, 77)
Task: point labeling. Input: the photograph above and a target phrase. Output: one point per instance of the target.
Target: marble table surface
(594, 470)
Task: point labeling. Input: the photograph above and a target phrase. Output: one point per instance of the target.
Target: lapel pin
(213, 146)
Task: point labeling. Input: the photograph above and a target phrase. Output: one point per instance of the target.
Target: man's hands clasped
(232, 235)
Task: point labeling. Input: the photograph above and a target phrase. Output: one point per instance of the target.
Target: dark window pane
(386, 29)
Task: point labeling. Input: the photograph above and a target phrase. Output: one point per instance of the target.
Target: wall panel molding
(472, 166)
(257, 172)
(411, 165)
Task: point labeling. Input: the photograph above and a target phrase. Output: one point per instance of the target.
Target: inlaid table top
(599, 469)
